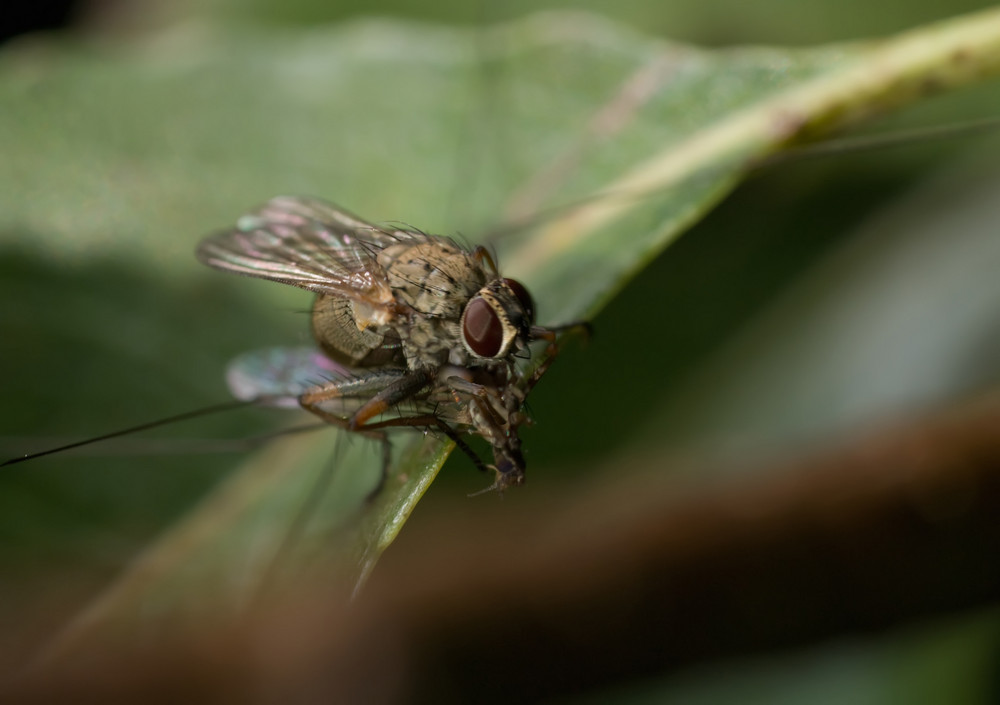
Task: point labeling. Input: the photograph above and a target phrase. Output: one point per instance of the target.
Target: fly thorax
(434, 279)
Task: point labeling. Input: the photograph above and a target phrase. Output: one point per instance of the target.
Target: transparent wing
(281, 374)
(309, 244)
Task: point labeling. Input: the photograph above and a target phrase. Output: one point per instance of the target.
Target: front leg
(549, 334)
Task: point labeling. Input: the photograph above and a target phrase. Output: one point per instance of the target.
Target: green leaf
(116, 162)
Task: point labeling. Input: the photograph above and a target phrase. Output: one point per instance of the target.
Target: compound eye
(523, 297)
(482, 328)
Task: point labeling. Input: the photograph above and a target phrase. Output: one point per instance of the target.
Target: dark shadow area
(91, 349)
(23, 17)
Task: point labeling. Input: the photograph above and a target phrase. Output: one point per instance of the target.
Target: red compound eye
(482, 328)
(523, 297)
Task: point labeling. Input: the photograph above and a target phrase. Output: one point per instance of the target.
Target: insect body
(415, 330)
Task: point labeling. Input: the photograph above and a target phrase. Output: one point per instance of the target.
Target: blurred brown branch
(631, 577)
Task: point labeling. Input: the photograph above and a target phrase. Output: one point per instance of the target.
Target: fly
(412, 329)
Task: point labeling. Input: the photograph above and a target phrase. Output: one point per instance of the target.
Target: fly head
(497, 321)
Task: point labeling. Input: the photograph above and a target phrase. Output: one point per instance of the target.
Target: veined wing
(309, 244)
(281, 375)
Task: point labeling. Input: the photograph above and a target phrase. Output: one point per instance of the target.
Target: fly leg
(374, 435)
(480, 395)
(492, 425)
(347, 393)
(511, 466)
(496, 416)
(552, 349)
(390, 387)
(398, 391)
(430, 421)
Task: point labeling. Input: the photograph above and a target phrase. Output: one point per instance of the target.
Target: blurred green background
(765, 325)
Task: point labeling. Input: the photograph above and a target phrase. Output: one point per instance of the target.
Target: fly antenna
(825, 148)
(196, 413)
(868, 143)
